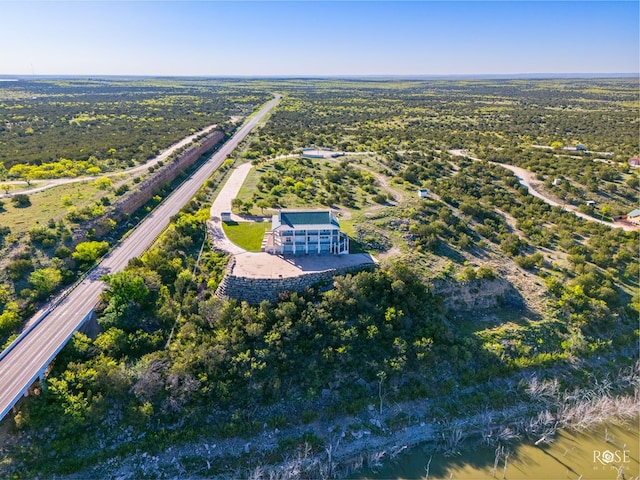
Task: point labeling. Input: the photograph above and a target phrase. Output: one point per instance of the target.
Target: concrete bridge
(29, 356)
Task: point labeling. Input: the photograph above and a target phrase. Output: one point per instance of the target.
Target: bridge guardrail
(58, 299)
(61, 296)
(39, 372)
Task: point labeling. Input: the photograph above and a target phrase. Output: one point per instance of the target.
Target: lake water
(606, 452)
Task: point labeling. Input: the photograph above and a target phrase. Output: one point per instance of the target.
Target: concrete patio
(265, 265)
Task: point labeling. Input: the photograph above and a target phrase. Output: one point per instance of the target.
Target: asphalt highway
(23, 362)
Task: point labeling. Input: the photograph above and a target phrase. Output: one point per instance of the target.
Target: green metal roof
(308, 218)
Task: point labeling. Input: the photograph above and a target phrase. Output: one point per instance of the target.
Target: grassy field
(247, 235)
(48, 205)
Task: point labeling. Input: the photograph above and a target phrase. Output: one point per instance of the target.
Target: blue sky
(318, 38)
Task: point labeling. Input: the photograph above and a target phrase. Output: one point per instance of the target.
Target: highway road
(25, 360)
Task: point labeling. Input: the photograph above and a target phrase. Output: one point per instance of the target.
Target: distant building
(581, 148)
(634, 162)
(590, 203)
(320, 152)
(557, 181)
(422, 193)
(306, 231)
(225, 216)
(634, 217)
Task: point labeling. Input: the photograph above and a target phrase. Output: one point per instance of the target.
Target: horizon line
(529, 75)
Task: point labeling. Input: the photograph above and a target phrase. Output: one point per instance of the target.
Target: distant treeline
(113, 123)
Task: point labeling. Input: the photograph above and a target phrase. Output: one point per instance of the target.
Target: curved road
(28, 357)
(525, 176)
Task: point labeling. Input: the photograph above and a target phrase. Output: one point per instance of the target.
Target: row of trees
(294, 182)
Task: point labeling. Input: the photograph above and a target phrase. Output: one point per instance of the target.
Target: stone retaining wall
(479, 294)
(255, 290)
(145, 190)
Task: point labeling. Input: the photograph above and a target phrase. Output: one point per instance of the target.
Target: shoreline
(348, 445)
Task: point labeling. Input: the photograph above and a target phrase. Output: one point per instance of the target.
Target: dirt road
(53, 182)
(525, 177)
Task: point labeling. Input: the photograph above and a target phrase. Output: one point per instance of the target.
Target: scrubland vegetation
(109, 123)
(296, 182)
(44, 134)
(176, 367)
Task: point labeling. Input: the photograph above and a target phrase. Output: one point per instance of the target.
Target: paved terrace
(265, 265)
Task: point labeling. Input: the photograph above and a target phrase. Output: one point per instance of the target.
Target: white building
(306, 231)
(634, 217)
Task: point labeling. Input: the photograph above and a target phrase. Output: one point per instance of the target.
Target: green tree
(44, 281)
(18, 268)
(246, 206)
(529, 262)
(21, 200)
(606, 210)
(112, 342)
(511, 244)
(4, 294)
(262, 204)
(127, 294)
(103, 183)
(89, 252)
(633, 181)
(125, 287)
(9, 321)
